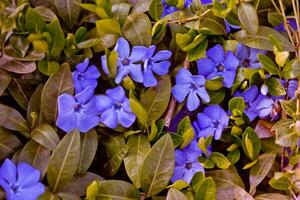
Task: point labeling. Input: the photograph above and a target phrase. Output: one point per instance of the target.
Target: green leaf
(34, 107)
(220, 160)
(137, 29)
(36, 155)
(46, 13)
(216, 97)
(260, 170)
(57, 38)
(88, 149)
(174, 194)
(179, 185)
(275, 18)
(294, 65)
(234, 156)
(89, 43)
(282, 182)
(68, 10)
(261, 40)
(206, 190)
(112, 189)
(16, 90)
(211, 25)
(59, 83)
(268, 64)
(5, 79)
(156, 99)
(237, 105)
(158, 166)
(289, 107)
(8, 143)
(272, 196)
(33, 21)
(139, 147)
(275, 87)
(48, 67)
(45, 135)
(286, 136)
(116, 150)
(139, 111)
(241, 194)
(186, 130)
(156, 9)
(248, 17)
(13, 120)
(64, 161)
(251, 143)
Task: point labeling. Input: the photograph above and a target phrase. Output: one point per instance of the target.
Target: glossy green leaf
(48, 67)
(33, 21)
(57, 38)
(236, 105)
(220, 160)
(251, 143)
(137, 29)
(285, 135)
(88, 148)
(289, 107)
(211, 25)
(185, 129)
(275, 87)
(139, 111)
(13, 120)
(206, 190)
(179, 184)
(8, 143)
(64, 161)
(59, 83)
(282, 182)
(138, 148)
(36, 155)
(260, 170)
(262, 39)
(155, 10)
(45, 135)
(158, 166)
(268, 64)
(248, 17)
(156, 99)
(68, 10)
(174, 194)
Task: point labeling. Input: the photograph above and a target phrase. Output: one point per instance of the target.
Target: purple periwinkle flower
(128, 61)
(20, 182)
(291, 22)
(80, 111)
(157, 63)
(168, 9)
(219, 64)
(248, 56)
(257, 104)
(85, 76)
(192, 86)
(292, 87)
(186, 162)
(115, 108)
(212, 121)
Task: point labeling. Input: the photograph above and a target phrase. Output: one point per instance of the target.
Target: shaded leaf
(68, 10)
(64, 161)
(46, 13)
(45, 135)
(271, 196)
(155, 10)
(34, 106)
(17, 92)
(268, 64)
(16, 66)
(220, 160)
(57, 37)
(275, 87)
(8, 143)
(174, 194)
(206, 190)
(158, 166)
(4, 81)
(248, 17)
(139, 147)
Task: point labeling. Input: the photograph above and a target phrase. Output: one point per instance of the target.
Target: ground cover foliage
(149, 99)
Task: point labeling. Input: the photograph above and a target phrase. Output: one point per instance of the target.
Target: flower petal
(149, 79)
(204, 120)
(104, 65)
(31, 193)
(184, 76)
(109, 118)
(193, 101)
(92, 72)
(66, 122)
(180, 92)
(27, 175)
(203, 94)
(84, 96)
(66, 104)
(160, 68)
(117, 94)
(178, 173)
(122, 72)
(229, 77)
(136, 72)
(138, 54)
(216, 53)
(81, 67)
(242, 52)
(126, 119)
(205, 66)
(99, 104)
(8, 171)
(122, 47)
(230, 62)
(162, 55)
(85, 122)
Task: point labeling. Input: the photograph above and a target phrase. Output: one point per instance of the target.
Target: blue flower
(85, 76)
(291, 22)
(128, 61)
(292, 87)
(248, 56)
(256, 103)
(21, 182)
(219, 64)
(115, 108)
(186, 162)
(157, 63)
(192, 86)
(168, 9)
(79, 111)
(212, 121)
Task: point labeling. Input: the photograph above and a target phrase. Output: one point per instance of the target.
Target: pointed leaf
(8, 143)
(45, 135)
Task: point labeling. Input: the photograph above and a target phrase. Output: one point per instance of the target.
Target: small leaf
(156, 99)
(237, 105)
(64, 161)
(5, 79)
(206, 190)
(268, 64)
(137, 29)
(275, 87)
(179, 185)
(57, 38)
(251, 143)
(174, 194)
(33, 21)
(8, 143)
(48, 67)
(16, 90)
(139, 111)
(248, 17)
(46, 13)
(155, 10)
(158, 166)
(88, 148)
(186, 130)
(260, 170)
(139, 147)
(45, 135)
(220, 160)
(289, 107)
(16, 66)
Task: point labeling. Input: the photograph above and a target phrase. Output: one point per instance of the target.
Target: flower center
(118, 106)
(77, 107)
(194, 86)
(246, 62)
(215, 123)
(188, 165)
(220, 68)
(125, 61)
(80, 77)
(15, 188)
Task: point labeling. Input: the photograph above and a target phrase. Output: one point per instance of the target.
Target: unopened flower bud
(264, 89)
(128, 83)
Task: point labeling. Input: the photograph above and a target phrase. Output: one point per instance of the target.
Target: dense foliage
(149, 99)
